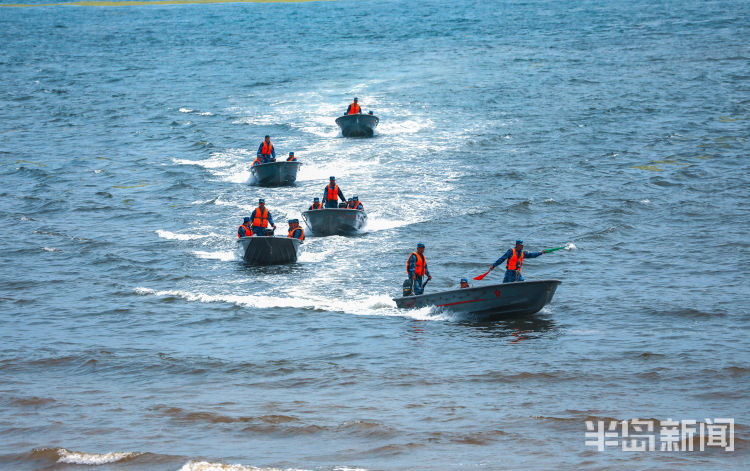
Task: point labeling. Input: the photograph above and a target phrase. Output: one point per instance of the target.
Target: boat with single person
(335, 221)
(268, 250)
(357, 125)
(275, 173)
(488, 302)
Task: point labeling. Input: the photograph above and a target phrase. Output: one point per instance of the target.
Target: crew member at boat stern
(261, 218)
(295, 230)
(416, 268)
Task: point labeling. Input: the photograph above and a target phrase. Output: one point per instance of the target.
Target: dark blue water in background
(131, 338)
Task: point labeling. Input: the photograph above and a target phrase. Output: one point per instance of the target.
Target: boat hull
(357, 125)
(335, 221)
(493, 301)
(275, 173)
(268, 250)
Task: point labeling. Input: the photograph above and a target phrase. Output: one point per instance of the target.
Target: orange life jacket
(301, 235)
(333, 193)
(291, 158)
(267, 148)
(257, 161)
(515, 262)
(358, 205)
(419, 267)
(248, 231)
(261, 218)
(354, 108)
(316, 206)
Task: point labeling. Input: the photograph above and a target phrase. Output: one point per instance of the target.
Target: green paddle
(552, 250)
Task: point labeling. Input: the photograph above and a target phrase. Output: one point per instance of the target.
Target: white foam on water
(208, 466)
(374, 305)
(51, 249)
(375, 224)
(224, 256)
(570, 246)
(205, 113)
(185, 110)
(174, 236)
(645, 201)
(76, 457)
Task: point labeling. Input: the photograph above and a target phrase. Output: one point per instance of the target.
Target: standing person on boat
(515, 258)
(416, 268)
(291, 157)
(295, 230)
(316, 204)
(266, 151)
(261, 218)
(245, 230)
(331, 193)
(464, 283)
(354, 107)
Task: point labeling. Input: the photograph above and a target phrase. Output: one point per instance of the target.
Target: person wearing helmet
(295, 230)
(354, 108)
(464, 283)
(266, 151)
(316, 204)
(331, 194)
(261, 219)
(291, 157)
(515, 257)
(245, 230)
(416, 268)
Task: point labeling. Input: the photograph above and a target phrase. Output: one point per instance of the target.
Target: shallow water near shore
(131, 338)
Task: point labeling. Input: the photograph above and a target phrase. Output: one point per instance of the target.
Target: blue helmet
(519, 242)
(420, 245)
(245, 220)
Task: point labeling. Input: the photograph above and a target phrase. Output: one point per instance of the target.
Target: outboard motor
(408, 287)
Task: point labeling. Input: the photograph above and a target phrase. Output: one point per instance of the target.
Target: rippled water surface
(132, 339)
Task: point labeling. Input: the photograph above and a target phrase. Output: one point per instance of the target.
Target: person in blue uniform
(245, 230)
(295, 230)
(266, 151)
(416, 268)
(514, 257)
(464, 283)
(356, 204)
(291, 157)
(261, 218)
(354, 108)
(331, 194)
(316, 204)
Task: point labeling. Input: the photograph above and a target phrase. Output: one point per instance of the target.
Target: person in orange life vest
(295, 230)
(261, 218)
(245, 230)
(464, 283)
(266, 151)
(258, 160)
(356, 204)
(331, 193)
(515, 259)
(316, 204)
(349, 203)
(354, 108)
(291, 157)
(416, 268)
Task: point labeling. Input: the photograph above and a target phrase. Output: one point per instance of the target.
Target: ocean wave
(375, 305)
(174, 236)
(78, 457)
(208, 466)
(224, 256)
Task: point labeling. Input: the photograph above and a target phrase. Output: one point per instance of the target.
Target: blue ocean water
(131, 337)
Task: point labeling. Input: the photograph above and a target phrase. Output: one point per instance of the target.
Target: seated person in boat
(258, 160)
(354, 108)
(316, 204)
(464, 283)
(331, 194)
(261, 218)
(515, 258)
(291, 157)
(266, 151)
(416, 268)
(355, 204)
(245, 230)
(295, 230)
(348, 204)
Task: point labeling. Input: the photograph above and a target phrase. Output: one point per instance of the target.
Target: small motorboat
(268, 250)
(333, 221)
(357, 125)
(488, 302)
(275, 173)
